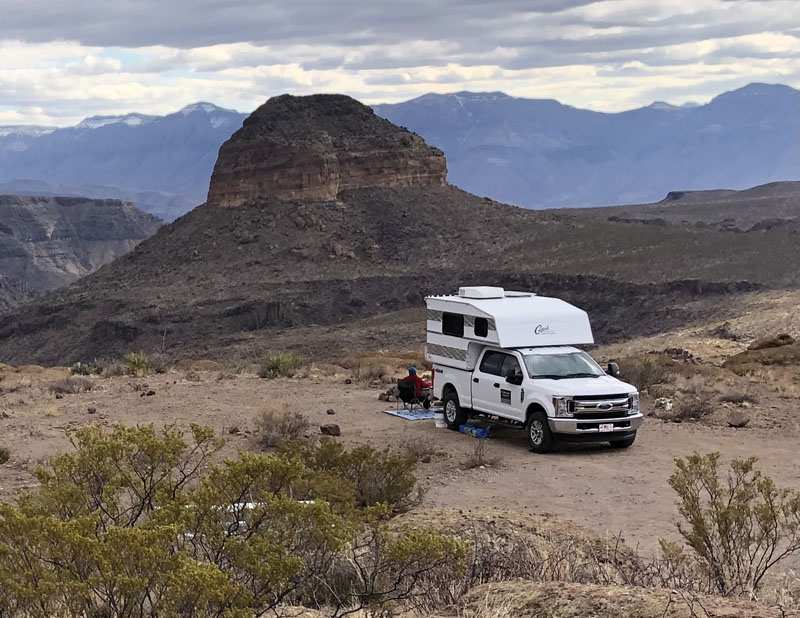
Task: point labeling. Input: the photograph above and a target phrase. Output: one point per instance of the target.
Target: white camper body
(504, 319)
(509, 356)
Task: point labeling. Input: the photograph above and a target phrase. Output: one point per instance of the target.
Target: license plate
(606, 427)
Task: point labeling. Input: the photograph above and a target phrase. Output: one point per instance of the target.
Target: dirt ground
(621, 492)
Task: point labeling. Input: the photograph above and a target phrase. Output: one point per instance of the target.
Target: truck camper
(510, 357)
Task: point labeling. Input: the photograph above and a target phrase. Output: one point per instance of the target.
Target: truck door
(491, 392)
(511, 395)
(484, 379)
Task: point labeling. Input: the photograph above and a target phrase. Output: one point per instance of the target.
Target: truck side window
(492, 363)
(510, 366)
(481, 327)
(453, 324)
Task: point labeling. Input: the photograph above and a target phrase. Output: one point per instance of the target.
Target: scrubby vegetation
(277, 424)
(279, 365)
(140, 364)
(139, 523)
(646, 372)
(71, 386)
(5, 455)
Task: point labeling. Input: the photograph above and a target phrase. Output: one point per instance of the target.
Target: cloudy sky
(62, 60)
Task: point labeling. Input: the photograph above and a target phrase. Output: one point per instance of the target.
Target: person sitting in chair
(418, 383)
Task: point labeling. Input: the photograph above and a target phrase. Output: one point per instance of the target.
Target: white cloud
(609, 55)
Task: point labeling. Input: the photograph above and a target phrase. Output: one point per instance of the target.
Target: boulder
(738, 418)
(331, 429)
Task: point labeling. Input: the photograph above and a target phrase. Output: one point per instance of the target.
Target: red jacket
(418, 382)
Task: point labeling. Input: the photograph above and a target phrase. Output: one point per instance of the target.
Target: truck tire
(454, 414)
(537, 429)
(624, 443)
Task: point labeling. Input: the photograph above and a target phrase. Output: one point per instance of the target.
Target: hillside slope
(47, 242)
(235, 273)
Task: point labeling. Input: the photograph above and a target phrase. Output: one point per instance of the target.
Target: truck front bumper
(581, 429)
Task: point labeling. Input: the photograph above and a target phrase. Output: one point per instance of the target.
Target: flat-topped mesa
(311, 148)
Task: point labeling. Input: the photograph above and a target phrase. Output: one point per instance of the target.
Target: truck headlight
(561, 406)
(634, 404)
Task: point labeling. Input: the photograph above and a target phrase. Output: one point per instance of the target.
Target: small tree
(739, 526)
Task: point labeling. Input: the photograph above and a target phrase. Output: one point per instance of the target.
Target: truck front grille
(592, 407)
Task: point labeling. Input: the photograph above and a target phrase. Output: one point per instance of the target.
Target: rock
(774, 341)
(426, 459)
(375, 384)
(309, 149)
(383, 397)
(91, 410)
(59, 395)
(330, 429)
(348, 381)
(663, 403)
(738, 418)
(147, 394)
(330, 411)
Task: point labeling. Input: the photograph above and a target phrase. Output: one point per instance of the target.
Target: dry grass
(277, 424)
(382, 366)
(71, 386)
(279, 365)
(646, 371)
(738, 398)
(481, 456)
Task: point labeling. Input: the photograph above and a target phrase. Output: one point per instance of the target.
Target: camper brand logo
(543, 329)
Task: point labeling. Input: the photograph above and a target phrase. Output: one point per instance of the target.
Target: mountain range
(160, 163)
(534, 153)
(325, 225)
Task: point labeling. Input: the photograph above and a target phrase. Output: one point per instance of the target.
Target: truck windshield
(560, 366)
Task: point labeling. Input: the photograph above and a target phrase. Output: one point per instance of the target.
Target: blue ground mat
(419, 414)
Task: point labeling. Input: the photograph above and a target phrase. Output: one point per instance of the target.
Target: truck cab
(555, 392)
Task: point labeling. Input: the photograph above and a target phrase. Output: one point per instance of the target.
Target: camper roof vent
(513, 294)
(481, 291)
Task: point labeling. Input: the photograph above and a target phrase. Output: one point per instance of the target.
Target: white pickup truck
(509, 357)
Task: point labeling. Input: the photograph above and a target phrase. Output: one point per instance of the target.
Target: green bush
(376, 477)
(139, 364)
(84, 369)
(739, 525)
(136, 523)
(644, 373)
(279, 364)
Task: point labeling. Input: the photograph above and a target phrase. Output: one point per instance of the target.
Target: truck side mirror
(613, 370)
(514, 379)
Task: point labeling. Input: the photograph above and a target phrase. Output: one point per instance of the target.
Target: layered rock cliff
(311, 148)
(47, 242)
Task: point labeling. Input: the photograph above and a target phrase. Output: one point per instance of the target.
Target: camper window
(481, 327)
(453, 324)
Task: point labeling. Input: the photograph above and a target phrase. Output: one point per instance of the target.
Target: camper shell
(460, 326)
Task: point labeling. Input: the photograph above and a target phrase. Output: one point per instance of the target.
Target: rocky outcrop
(311, 148)
(47, 242)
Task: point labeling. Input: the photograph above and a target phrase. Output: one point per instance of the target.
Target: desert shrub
(5, 455)
(738, 525)
(279, 364)
(84, 369)
(644, 373)
(690, 408)
(112, 368)
(137, 523)
(71, 386)
(376, 477)
(738, 397)
(140, 364)
(192, 376)
(480, 456)
(277, 424)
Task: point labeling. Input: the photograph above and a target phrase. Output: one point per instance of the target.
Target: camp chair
(408, 397)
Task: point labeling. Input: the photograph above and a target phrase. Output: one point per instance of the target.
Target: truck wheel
(454, 414)
(624, 443)
(540, 438)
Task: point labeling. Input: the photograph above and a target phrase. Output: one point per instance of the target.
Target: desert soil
(621, 492)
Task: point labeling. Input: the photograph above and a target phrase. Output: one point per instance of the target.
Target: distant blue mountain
(539, 153)
(531, 152)
(162, 164)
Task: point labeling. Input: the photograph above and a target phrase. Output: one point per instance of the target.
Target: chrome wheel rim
(450, 410)
(537, 432)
